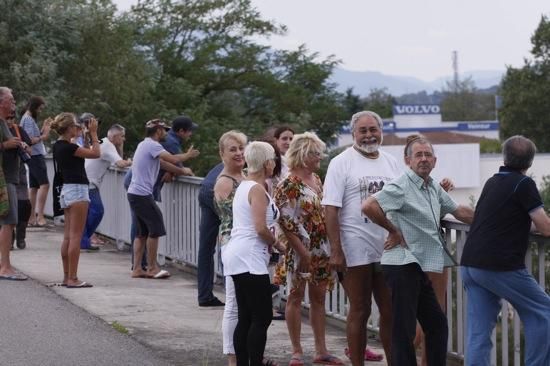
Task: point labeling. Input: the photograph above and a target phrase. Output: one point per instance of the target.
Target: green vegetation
(204, 58)
(490, 146)
(119, 327)
(525, 91)
(545, 192)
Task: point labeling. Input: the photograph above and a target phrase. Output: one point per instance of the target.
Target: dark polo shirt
(499, 235)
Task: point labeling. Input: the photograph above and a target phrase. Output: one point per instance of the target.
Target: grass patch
(119, 327)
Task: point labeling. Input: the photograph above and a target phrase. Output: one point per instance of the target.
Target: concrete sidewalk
(161, 314)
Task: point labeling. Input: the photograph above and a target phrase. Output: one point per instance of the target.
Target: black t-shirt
(499, 235)
(70, 166)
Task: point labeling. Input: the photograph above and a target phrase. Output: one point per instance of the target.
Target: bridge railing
(182, 215)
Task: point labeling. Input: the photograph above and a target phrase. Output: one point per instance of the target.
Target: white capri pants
(230, 317)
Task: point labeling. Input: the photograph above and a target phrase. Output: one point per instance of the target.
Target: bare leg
(358, 286)
(78, 213)
(6, 236)
(32, 198)
(231, 360)
(139, 247)
(65, 245)
(294, 318)
(41, 197)
(152, 250)
(439, 284)
(382, 296)
(317, 316)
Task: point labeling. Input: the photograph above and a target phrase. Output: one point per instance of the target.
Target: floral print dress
(224, 209)
(302, 214)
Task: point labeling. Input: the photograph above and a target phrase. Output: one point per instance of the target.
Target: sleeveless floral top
(224, 209)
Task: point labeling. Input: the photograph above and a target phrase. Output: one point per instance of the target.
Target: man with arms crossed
(415, 205)
(356, 242)
(493, 261)
(149, 157)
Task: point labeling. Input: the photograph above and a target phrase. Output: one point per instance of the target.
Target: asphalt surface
(41, 324)
(40, 327)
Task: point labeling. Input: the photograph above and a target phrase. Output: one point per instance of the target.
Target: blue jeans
(485, 289)
(95, 214)
(208, 234)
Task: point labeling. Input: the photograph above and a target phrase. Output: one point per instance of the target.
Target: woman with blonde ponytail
(74, 199)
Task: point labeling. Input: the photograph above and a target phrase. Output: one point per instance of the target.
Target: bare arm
(123, 163)
(223, 188)
(258, 203)
(464, 214)
(332, 220)
(541, 221)
(372, 209)
(174, 169)
(173, 158)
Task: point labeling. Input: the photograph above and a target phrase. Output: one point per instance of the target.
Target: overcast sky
(404, 37)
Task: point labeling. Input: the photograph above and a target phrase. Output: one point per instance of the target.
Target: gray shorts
(11, 217)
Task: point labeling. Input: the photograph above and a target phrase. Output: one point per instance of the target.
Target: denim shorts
(72, 193)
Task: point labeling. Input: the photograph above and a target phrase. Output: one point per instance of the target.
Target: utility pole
(456, 80)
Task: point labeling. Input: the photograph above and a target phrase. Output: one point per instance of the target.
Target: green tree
(212, 68)
(463, 102)
(380, 101)
(525, 92)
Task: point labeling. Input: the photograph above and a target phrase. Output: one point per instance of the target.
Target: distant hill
(363, 81)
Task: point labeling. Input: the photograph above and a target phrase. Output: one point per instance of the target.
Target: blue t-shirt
(145, 167)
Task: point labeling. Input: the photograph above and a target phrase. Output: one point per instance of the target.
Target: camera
(86, 117)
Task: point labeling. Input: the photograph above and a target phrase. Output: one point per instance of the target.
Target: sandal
(369, 355)
(268, 362)
(328, 359)
(296, 361)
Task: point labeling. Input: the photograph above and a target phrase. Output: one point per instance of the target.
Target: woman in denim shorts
(74, 199)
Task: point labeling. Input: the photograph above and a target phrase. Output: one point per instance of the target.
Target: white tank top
(246, 251)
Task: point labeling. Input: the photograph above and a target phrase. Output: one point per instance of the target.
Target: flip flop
(296, 361)
(82, 284)
(369, 355)
(14, 277)
(327, 360)
(162, 274)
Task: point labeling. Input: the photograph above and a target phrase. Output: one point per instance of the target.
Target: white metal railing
(182, 214)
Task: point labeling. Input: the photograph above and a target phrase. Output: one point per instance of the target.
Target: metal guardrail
(182, 215)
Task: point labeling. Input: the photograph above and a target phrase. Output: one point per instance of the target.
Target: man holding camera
(9, 146)
(111, 151)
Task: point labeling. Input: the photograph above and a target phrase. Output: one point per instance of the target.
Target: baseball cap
(157, 122)
(183, 122)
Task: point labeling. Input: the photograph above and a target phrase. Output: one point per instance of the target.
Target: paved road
(39, 327)
(162, 315)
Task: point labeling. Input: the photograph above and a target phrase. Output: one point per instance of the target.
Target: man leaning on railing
(493, 261)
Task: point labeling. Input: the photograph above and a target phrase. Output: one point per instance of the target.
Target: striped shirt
(31, 128)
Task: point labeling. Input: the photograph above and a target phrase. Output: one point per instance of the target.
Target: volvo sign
(419, 109)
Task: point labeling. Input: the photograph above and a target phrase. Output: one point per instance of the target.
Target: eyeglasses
(423, 154)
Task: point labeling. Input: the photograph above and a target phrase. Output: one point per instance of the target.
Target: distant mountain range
(363, 81)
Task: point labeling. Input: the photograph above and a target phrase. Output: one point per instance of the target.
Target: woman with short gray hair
(247, 253)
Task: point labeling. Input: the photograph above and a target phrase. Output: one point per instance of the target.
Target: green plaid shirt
(416, 209)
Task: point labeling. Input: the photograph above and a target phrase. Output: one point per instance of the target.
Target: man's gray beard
(368, 148)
